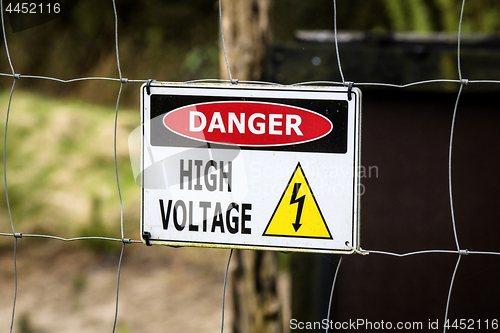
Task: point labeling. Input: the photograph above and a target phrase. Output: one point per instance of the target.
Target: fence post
(246, 33)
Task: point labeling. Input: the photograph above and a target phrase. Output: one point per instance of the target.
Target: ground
(64, 288)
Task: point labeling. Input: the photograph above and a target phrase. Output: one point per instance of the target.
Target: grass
(60, 168)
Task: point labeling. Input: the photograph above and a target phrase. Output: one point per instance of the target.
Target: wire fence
(122, 80)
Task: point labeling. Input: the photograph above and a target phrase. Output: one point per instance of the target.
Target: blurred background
(178, 41)
(60, 165)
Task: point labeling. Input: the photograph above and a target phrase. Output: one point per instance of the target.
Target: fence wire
(16, 76)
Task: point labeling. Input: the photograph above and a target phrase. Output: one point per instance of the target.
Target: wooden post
(247, 34)
(256, 307)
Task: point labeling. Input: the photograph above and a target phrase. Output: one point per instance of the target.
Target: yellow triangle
(297, 213)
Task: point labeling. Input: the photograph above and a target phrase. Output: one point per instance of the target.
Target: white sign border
(269, 90)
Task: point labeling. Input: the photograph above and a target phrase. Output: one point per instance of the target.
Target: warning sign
(250, 167)
(297, 213)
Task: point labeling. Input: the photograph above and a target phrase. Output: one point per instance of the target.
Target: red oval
(247, 123)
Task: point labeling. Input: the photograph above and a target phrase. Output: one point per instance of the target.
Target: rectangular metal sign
(251, 167)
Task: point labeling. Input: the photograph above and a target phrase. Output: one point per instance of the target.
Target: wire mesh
(16, 76)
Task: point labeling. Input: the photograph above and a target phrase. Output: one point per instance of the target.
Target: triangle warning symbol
(298, 213)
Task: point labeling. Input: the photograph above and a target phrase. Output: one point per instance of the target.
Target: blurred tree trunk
(246, 35)
(256, 307)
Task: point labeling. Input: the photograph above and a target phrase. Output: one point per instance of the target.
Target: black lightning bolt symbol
(300, 201)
